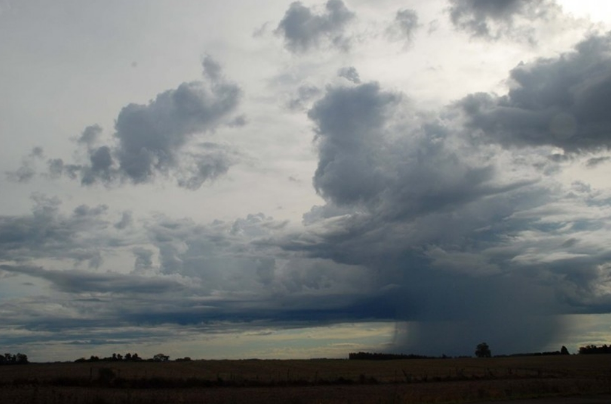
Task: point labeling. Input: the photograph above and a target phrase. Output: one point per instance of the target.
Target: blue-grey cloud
(303, 29)
(561, 102)
(74, 281)
(27, 170)
(303, 97)
(445, 226)
(596, 161)
(498, 19)
(126, 221)
(47, 233)
(363, 162)
(164, 138)
(403, 27)
(349, 73)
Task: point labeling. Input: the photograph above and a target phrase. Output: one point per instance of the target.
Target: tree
(483, 350)
(161, 358)
(10, 359)
(564, 351)
(21, 358)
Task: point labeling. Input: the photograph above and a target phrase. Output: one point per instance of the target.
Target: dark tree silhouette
(161, 358)
(10, 359)
(564, 351)
(483, 350)
(593, 349)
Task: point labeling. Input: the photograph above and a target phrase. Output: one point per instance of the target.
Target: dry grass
(303, 381)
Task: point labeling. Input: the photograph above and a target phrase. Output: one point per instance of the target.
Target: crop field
(308, 381)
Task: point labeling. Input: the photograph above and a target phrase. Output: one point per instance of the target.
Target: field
(308, 381)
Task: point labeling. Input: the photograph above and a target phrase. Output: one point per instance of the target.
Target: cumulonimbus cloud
(443, 221)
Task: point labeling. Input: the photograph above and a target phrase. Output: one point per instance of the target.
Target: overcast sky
(283, 179)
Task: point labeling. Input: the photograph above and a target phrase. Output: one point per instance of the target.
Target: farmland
(308, 381)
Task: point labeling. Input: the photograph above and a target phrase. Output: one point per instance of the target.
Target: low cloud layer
(77, 282)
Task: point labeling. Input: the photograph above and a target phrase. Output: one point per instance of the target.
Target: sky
(246, 179)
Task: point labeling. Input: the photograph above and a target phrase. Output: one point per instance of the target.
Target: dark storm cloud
(501, 18)
(242, 256)
(450, 233)
(424, 223)
(47, 233)
(562, 102)
(74, 281)
(362, 160)
(184, 273)
(345, 117)
(163, 138)
(349, 73)
(404, 26)
(152, 136)
(90, 135)
(303, 29)
(100, 167)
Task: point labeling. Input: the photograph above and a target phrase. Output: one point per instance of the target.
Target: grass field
(307, 381)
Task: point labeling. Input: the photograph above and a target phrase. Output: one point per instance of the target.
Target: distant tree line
(128, 357)
(383, 356)
(593, 349)
(10, 359)
(482, 350)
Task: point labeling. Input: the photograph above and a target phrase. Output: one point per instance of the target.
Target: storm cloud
(444, 227)
(451, 190)
(561, 102)
(364, 160)
(72, 281)
(47, 233)
(184, 273)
